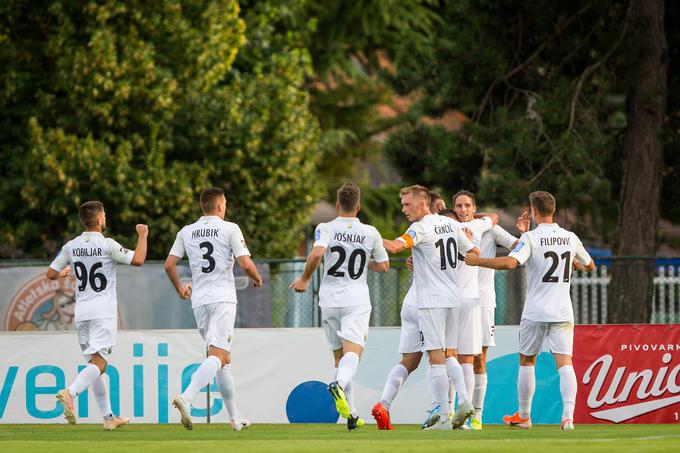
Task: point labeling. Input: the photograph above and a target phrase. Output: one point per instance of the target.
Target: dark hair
(543, 202)
(89, 211)
(467, 193)
(348, 197)
(209, 198)
(448, 212)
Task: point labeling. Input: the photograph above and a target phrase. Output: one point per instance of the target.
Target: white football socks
(349, 395)
(430, 388)
(202, 377)
(568, 389)
(395, 380)
(100, 390)
(225, 382)
(84, 380)
(479, 394)
(347, 368)
(526, 385)
(439, 383)
(469, 378)
(456, 377)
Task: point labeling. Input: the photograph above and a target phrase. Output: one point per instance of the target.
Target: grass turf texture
(335, 438)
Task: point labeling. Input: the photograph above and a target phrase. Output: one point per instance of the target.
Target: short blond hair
(418, 191)
(543, 202)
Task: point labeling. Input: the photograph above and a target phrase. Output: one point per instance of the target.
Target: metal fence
(148, 301)
(588, 292)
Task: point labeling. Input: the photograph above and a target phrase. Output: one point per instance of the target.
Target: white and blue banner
(280, 376)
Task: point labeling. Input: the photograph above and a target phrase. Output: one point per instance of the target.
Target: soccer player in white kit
(548, 253)
(410, 343)
(436, 242)
(93, 259)
(465, 208)
(346, 246)
(470, 334)
(211, 244)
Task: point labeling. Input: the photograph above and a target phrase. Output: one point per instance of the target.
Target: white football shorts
(97, 336)
(346, 323)
(560, 337)
(439, 327)
(411, 339)
(469, 331)
(488, 326)
(215, 323)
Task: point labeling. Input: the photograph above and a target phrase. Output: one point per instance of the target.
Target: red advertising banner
(627, 373)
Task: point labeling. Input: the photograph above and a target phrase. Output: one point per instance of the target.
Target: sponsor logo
(42, 304)
(618, 394)
(518, 247)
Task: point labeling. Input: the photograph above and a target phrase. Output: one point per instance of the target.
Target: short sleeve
(464, 244)
(120, 254)
(412, 236)
(379, 253)
(482, 225)
(522, 250)
(581, 254)
(61, 261)
(178, 246)
(238, 243)
(322, 237)
(502, 237)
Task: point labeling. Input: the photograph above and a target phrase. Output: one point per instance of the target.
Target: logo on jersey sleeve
(124, 251)
(317, 234)
(412, 233)
(518, 247)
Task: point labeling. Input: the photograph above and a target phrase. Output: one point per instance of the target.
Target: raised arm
(394, 246)
(140, 251)
(492, 215)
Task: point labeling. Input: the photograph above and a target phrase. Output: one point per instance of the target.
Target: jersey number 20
(351, 265)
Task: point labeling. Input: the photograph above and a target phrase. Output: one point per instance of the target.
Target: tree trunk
(632, 285)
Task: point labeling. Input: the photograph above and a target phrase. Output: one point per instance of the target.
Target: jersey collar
(92, 233)
(546, 225)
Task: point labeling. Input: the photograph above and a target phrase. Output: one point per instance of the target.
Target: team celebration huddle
(447, 313)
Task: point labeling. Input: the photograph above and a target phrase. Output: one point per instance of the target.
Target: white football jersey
(548, 252)
(436, 242)
(487, 288)
(211, 245)
(468, 276)
(411, 299)
(349, 244)
(93, 259)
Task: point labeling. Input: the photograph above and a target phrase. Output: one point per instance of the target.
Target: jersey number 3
(208, 257)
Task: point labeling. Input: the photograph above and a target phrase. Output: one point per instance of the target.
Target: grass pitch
(335, 438)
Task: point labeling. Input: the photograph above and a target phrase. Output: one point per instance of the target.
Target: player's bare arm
(313, 261)
(140, 251)
(171, 269)
(54, 275)
(394, 246)
(379, 267)
(499, 264)
(524, 222)
(579, 266)
(250, 268)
